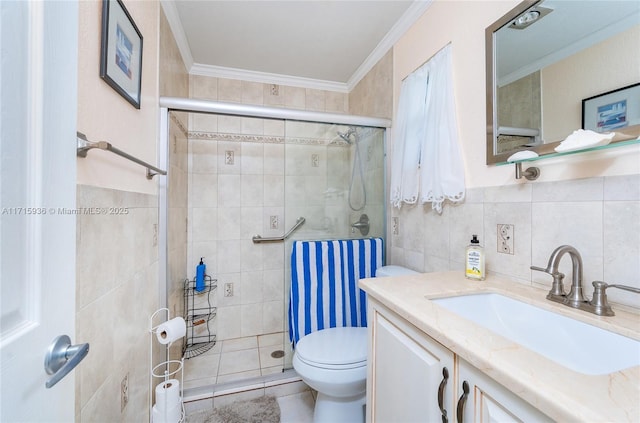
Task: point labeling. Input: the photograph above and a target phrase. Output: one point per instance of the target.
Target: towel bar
(85, 145)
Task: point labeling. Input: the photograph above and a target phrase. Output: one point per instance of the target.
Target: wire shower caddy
(199, 314)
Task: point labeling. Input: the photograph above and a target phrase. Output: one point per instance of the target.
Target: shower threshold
(255, 384)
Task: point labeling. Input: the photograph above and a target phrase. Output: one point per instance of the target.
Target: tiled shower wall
(599, 216)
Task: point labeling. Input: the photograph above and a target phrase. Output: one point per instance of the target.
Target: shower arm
(258, 239)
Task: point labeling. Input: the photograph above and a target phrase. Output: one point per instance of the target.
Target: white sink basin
(579, 346)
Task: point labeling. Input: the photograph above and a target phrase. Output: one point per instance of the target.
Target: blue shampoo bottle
(200, 272)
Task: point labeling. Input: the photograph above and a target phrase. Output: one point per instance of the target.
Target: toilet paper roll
(170, 416)
(168, 394)
(171, 330)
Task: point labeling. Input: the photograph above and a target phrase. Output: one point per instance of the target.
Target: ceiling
(309, 43)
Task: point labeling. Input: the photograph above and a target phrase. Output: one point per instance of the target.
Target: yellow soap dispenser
(474, 260)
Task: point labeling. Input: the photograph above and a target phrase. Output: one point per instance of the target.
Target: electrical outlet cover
(505, 242)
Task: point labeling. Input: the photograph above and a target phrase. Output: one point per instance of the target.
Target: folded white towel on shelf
(581, 139)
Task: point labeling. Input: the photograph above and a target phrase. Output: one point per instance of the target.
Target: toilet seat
(334, 348)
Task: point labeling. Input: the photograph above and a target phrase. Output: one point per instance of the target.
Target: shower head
(347, 135)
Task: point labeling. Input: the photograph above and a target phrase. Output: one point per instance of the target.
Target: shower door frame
(177, 104)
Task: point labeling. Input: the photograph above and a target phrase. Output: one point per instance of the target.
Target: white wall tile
(622, 249)
(203, 191)
(621, 188)
(229, 190)
(252, 190)
(518, 215)
(252, 158)
(230, 90)
(590, 189)
(575, 224)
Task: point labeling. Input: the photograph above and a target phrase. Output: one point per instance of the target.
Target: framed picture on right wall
(612, 110)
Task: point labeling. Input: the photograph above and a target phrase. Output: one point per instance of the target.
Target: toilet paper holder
(165, 370)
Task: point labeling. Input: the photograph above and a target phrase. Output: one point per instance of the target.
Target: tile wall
(116, 295)
(599, 216)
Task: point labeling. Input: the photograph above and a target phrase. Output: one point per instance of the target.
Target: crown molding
(171, 12)
(409, 17)
(267, 78)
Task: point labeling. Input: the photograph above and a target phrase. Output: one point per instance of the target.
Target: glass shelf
(568, 153)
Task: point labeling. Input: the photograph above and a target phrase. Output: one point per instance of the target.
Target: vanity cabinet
(413, 378)
(488, 401)
(410, 376)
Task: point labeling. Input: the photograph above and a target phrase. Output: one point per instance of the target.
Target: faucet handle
(556, 293)
(599, 300)
(540, 269)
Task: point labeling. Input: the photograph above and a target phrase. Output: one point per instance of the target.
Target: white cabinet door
(406, 373)
(487, 401)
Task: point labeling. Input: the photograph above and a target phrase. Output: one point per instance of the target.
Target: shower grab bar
(258, 239)
(85, 145)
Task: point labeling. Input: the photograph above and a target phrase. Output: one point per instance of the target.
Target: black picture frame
(121, 51)
(612, 110)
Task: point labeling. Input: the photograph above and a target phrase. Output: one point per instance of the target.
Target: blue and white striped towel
(324, 283)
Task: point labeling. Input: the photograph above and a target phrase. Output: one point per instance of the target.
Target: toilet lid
(334, 346)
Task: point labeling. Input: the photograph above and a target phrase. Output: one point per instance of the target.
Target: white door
(38, 92)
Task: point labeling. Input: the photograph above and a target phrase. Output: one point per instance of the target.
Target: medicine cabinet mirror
(544, 58)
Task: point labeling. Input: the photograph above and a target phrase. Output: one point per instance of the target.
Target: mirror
(544, 58)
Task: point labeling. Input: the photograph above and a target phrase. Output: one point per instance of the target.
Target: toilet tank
(393, 270)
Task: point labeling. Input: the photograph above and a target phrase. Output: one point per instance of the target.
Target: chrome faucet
(575, 298)
(575, 295)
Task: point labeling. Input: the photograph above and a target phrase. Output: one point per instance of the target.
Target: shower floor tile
(237, 359)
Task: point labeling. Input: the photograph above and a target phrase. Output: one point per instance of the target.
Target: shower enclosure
(240, 178)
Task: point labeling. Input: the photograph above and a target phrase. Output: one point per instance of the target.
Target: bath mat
(260, 410)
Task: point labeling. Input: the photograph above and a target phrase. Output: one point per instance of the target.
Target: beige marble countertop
(559, 392)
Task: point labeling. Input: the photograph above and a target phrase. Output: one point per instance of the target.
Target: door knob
(62, 357)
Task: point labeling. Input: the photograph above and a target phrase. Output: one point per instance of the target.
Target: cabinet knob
(443, 385)
(462, 401)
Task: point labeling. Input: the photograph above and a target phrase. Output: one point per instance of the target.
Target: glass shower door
(334, 178)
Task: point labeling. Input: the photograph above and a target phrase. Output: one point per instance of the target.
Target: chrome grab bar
(258, 239)
(85, 145)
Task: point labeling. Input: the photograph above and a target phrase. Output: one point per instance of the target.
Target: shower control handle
(362, 225)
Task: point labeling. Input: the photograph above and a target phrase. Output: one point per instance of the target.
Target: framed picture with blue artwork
(613, 110)
(121, 51)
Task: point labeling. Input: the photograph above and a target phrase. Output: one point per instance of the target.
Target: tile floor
(237, 359)
(296, 408)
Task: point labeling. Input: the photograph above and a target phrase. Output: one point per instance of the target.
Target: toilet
(333, 362)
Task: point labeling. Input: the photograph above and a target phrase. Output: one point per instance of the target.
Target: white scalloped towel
(581, 139)
(426, 163)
